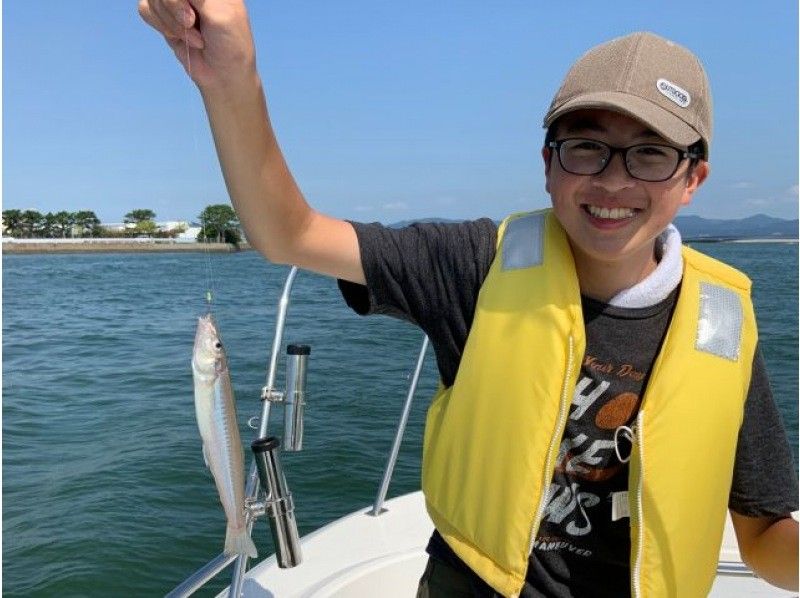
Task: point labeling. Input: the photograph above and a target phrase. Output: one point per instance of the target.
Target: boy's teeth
(610, 214)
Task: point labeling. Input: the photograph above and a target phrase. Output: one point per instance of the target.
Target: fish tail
(238, 541)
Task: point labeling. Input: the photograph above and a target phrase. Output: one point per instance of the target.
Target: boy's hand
(211, 38)
(277, 219)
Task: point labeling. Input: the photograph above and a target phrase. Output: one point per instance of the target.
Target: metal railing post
(202, 576)
(377, 508)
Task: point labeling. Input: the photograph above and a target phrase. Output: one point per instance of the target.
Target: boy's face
(624, 237)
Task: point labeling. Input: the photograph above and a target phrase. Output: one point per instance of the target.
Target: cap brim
(663, 122)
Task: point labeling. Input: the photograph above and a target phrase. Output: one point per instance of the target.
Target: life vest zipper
(638, 445)
(555, 441)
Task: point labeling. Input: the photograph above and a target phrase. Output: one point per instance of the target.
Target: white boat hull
(360, 556)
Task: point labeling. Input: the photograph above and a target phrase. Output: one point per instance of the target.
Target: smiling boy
(611, 218)
(603, 398)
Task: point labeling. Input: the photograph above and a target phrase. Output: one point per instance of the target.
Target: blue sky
(386, 111)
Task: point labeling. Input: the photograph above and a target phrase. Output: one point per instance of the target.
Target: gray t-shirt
(430, 274)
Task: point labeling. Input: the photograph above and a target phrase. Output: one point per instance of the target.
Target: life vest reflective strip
(491, 440)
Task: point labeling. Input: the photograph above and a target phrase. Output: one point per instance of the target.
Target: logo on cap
(674, 93)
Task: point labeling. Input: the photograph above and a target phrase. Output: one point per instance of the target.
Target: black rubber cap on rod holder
(298, 350)
(262, 445)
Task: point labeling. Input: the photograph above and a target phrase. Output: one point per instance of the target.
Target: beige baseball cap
(646, 77)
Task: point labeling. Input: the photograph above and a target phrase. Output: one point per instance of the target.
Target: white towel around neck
(660, 282)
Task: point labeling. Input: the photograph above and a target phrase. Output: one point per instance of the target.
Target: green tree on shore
(143, 221)
(63, 223)
(31, 222)
(219, 224)
(88, 223)
(139, 215)
(146, 227)
(48, 227)
(12, 223)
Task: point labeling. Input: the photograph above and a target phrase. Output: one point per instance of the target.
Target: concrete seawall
(119, 247)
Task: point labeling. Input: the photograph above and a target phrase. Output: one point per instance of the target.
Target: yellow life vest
(492, 438)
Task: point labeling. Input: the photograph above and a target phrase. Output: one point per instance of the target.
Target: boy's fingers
(163, 19)
(167, 16)
(194, 39)
(181, 11)
(151, 18)
(180, 51)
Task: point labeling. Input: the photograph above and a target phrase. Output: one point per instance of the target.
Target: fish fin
(238, 541)
(205, 456)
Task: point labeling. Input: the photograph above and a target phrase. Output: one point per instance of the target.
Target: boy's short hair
(646, 77)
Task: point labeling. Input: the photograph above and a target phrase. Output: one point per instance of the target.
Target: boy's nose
(615, 176)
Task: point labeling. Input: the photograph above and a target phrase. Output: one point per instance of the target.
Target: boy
(603, 399)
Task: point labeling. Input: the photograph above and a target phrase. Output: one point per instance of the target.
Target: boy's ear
(696, 177)
(546, 155)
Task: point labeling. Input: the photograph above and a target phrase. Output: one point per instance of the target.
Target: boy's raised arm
(221, 60)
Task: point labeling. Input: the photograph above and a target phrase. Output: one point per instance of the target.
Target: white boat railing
(377, 508)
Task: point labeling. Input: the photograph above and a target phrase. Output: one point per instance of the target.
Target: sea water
(104, 488)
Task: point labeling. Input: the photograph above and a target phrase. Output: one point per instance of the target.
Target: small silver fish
(216, 418)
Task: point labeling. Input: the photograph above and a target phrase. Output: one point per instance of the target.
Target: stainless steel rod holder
(294, 399)
(279, 504)
(252, 485)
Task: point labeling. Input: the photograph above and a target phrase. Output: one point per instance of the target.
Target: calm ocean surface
(104, 488)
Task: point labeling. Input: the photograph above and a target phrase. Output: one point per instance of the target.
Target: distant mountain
(760, 226)
(696, 228)
(403, 223)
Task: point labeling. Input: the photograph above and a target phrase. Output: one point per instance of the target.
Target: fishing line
(209, 270)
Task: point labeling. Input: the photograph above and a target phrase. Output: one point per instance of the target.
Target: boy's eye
(651, 151)
(587, 145)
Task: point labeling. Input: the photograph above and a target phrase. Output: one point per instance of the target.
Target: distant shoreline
(131, 246)
(22, 247)
(766, 240)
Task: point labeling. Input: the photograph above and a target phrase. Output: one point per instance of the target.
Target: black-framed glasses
(651, 162)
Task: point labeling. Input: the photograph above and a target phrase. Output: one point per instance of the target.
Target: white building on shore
(189, 235)
(160, 226)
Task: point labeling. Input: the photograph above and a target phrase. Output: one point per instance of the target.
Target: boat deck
(360, 555)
